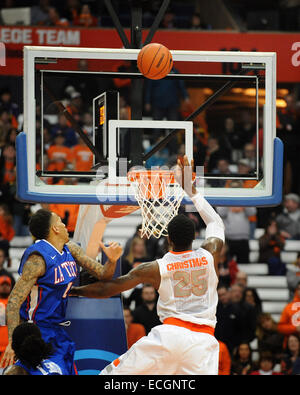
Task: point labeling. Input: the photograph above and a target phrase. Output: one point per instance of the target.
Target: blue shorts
(63, 346)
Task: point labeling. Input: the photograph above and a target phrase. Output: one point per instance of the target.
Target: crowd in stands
(240, 314)
(273, 15)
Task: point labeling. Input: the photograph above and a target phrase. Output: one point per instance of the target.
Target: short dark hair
(29, 346)
(39, 224)
(181, 231)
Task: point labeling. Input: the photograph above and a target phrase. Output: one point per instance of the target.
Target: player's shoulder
(213, 245)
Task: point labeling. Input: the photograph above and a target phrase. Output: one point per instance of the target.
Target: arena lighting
(281, 103)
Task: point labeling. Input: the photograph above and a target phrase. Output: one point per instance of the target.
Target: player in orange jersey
(187, 302)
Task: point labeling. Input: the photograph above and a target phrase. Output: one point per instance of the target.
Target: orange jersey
(3, 326)
(83, 158)
(59, 155)
(9, 172)
(134, 333)
(6, 230)
(290, 317)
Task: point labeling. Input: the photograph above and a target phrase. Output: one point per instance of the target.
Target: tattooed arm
(147, 272)
(102, 272)
(33, 268)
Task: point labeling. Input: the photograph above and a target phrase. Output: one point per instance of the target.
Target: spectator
(242, 363)
(75, 107)
(266, 365)
(8, 170)
(296, 367)
(5, 272)
(134, 331)
(268, 336)
(222, 169)
(229, 323)
(237, 230)
(241, 279)
(169, 20)
(59, 155)
(70, 9)
(85, 18)
(136, 255)
(21, 214)
(153, 245)
(146, 314)
(232, 139)
(82, 156)
(69, 133)
(224, 360)
(160, 158)
(214, 153)
(6, 229)
(87, 121)
(246, 126)
(250, 155)
(197, 23)
(293, 276)
(40, 13)
(289, 220)
(291, 354)
(227, 268)
(12, 108)
(271, 243)
(5, 126)
(5, 290)
(55, 19)
(246, 313)
(287, 131)
(244, 168)
(251, 297)
(289, 321)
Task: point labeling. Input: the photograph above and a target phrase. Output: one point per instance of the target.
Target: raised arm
(147, 272)
(214, 235)
(101, 272)
(33, 268)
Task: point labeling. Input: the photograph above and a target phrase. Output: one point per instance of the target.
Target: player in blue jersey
(47, 272)
(33, 353)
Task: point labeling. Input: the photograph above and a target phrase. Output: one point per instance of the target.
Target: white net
(159, 197)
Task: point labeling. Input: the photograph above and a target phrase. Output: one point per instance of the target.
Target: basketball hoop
(159, 197)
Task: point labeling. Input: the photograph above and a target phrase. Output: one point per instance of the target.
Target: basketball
(155, 61)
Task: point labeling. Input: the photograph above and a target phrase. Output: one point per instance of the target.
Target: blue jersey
(46, 368)
(47, 302)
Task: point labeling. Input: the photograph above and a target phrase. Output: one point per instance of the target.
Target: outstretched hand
(8, 357)
(184, 175)
(113, 251)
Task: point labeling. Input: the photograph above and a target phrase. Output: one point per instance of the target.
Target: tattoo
(33, 268)
(92, 266)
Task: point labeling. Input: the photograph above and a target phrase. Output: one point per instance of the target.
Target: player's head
(181, 232)
(29, 346)
(45, 224)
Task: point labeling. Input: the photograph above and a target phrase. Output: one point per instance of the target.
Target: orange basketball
(155, 61)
